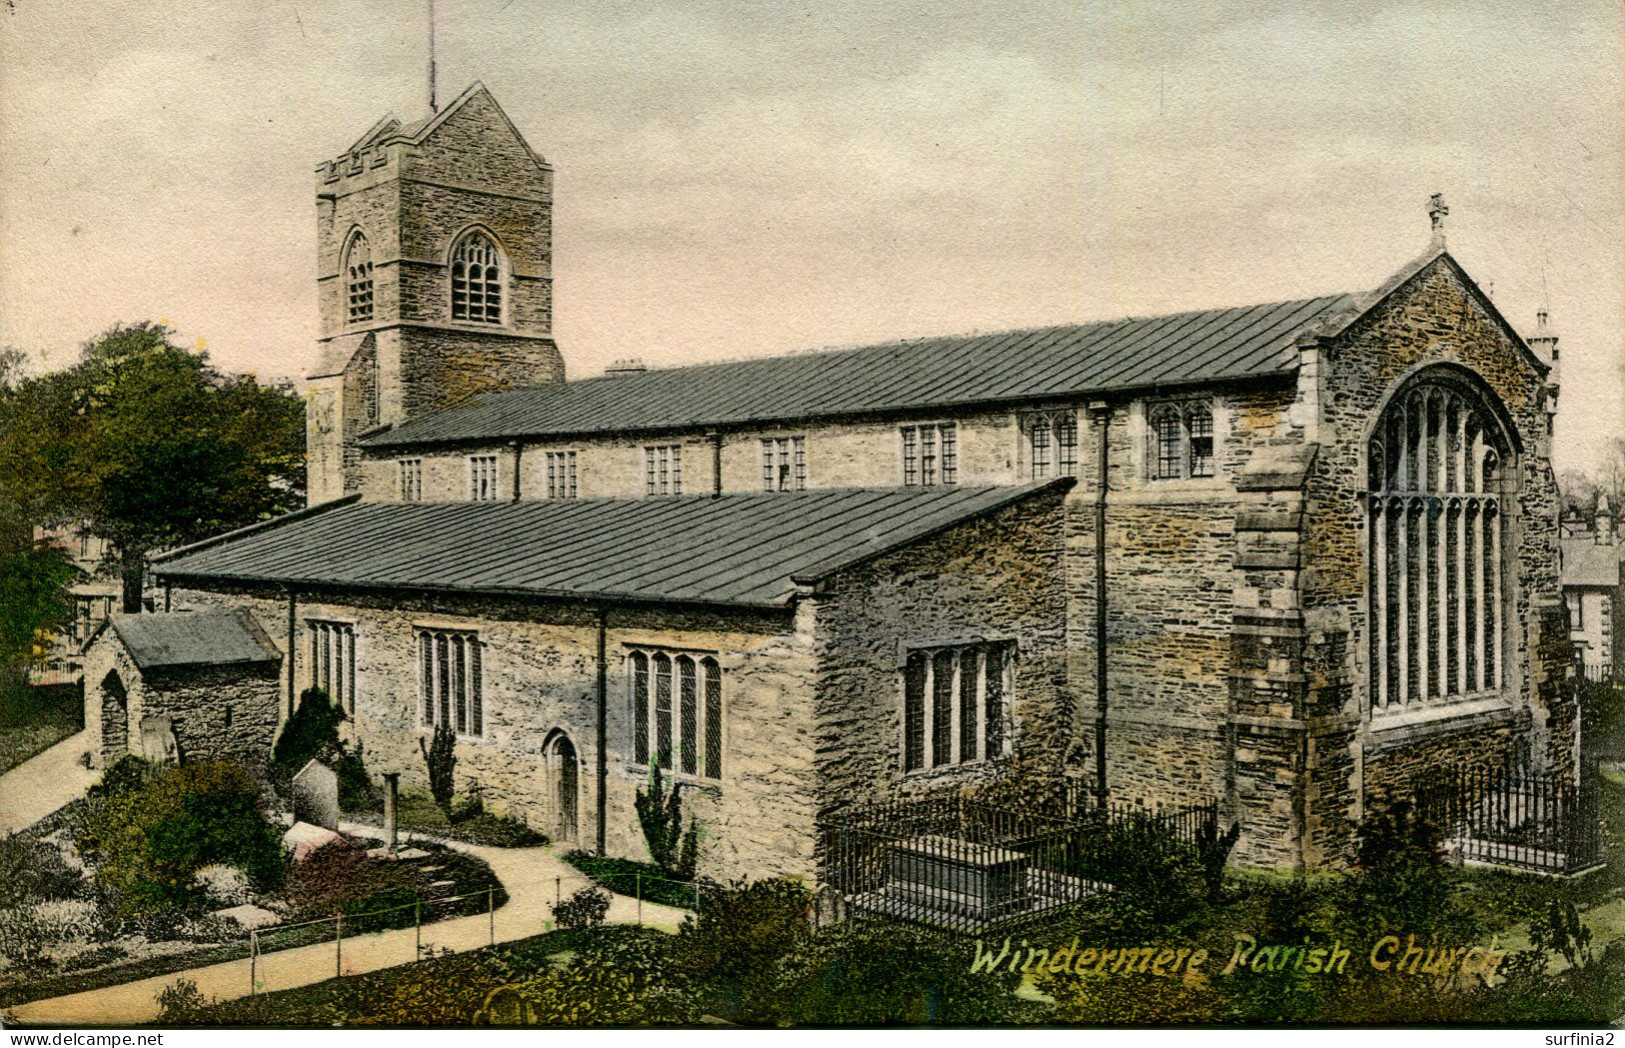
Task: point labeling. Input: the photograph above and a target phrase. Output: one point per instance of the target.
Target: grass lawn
(38, 720)
(469, 823)
(637, 879)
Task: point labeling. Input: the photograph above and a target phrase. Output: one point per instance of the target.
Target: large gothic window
(476, 280)
(1437, 462)
(358, 279)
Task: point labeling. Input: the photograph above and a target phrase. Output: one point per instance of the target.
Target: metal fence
(967, 863)
(1517, 818)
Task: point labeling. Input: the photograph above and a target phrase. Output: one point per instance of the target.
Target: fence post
(338, 945)
(417, 929)
(253, 960)
(637, 888)
(491, 911)
(558, 891)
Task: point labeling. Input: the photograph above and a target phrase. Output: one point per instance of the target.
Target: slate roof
(928, 373)
(730, 550)
(194, 638)
(1585, 563)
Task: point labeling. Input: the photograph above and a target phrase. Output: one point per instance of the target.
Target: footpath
(533, 878)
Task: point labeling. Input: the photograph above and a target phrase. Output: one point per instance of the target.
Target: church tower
(434, 247)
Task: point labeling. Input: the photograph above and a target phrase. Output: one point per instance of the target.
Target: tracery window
(332, 661)
(476, 280)
(676, 705)
(358, 279)
(1051, 444)
(1436, 516)
(1181, 441)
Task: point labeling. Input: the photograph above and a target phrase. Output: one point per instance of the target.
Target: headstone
(316, 795)
(158, 742)
(302, 840)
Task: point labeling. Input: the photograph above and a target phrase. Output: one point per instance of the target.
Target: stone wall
(539, 668)
(1433, 317)
(217, 712)
(850, 453)
(997, 578)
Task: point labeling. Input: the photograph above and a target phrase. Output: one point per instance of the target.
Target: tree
(150, 446)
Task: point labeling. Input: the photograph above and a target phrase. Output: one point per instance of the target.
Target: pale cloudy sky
(742, 178)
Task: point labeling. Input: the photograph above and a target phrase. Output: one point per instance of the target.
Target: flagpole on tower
(432, 107)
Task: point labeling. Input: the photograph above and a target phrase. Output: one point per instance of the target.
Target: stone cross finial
(1437, 209)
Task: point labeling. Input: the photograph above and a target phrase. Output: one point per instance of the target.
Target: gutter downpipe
(518, 450)
(293, 628)
(1100, 414)
(716, 463)
(603, 728)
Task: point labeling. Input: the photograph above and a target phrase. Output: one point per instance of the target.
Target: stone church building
(1286, 556)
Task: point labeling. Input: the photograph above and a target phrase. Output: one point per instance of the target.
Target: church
(1283, 556)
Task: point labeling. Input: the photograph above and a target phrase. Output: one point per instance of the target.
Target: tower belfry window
(358, 279)
(476, 280)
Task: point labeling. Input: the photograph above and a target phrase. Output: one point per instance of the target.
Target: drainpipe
(518, 450)
(603, 728)
(167, 588)
(293, 627)
(716, 464)
(1100, 413)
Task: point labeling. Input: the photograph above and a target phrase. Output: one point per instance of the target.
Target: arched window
(676, 707)
(358, 278)
(1436, 586)
(476, 280)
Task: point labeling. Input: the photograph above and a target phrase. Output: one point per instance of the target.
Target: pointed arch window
(476, 280)
(1437, 514)
(1181, 440)
(358, 279)
(676, 708)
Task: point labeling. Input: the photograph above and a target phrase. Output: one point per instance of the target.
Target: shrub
(148, 844)
(585, 909)
(879, 973)
(660, 813)
(32, 870)
(125, 775)
(619, 977)
(313, 728)
(440, 756)
(180, 1003)
(732, 945)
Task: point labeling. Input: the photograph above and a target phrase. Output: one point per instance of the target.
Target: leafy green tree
(150, 446)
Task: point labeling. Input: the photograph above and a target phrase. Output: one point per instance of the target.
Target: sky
(738, 179)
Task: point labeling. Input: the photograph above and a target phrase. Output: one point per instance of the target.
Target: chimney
(1437, 209)
(626, 366)
(1605, 522)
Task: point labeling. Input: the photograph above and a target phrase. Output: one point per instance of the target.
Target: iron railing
(966, 863)
(1518, 818)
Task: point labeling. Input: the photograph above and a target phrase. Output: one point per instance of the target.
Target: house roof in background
(745, 549)
(1586, 563)
(927, 373)
(194, 638)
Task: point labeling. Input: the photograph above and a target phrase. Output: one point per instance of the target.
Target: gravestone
(316, 795)
(158, 743)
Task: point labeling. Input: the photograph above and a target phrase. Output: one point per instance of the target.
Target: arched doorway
(563, 775)
(115, 717)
